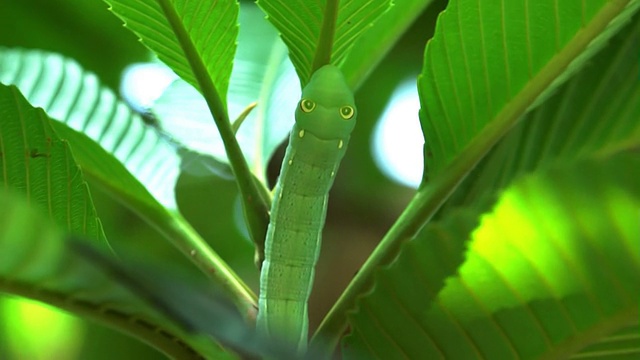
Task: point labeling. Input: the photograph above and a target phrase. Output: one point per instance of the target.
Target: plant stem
(255, 208)
(212, 265)
(327, 33)
(172, 226)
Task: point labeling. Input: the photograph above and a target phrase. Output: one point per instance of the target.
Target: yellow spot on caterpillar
(192, 253)
(333, 173)
(340, 144)
(290, 161)
(301, 133)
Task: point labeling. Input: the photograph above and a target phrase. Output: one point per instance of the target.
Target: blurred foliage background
(363, 204)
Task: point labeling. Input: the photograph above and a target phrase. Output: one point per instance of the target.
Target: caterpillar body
(325, 117)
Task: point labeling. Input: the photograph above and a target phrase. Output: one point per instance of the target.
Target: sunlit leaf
(75, 97)
(23, 318)
(623, 344)
(550, 270)
(432, 256)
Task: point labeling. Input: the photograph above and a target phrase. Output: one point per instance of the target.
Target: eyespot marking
(307, 105)
(340, 143)
(347, 112)
(301, 133)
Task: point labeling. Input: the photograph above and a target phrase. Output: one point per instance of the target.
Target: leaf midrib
(613, 324)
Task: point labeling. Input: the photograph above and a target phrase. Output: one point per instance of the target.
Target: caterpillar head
(327, 109)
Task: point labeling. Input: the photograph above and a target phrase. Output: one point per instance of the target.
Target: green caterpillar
(325, 117)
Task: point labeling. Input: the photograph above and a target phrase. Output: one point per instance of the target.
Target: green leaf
(262, 73)
(40, 165)
(438, 189)
(412, 282)
(74, 96)
(478, 79)
(55, 275)
(550, 270)
(193, 305)
(300, 23)
(624, 344)
(36, 261)
(594, 113)
(106, 171)
(185, 32)
(381, 38)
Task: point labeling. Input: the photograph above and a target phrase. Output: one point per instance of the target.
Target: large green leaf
(521, 151)
(36, 259)
(300, 23)
(595, 112)
(262, 73)
(550, 270)
(74, 96)
(187, 35)
(489, 62)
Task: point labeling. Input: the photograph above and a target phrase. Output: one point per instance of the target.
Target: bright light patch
(522, 251)
(143, 83)
(40, 332)
(397, 139)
